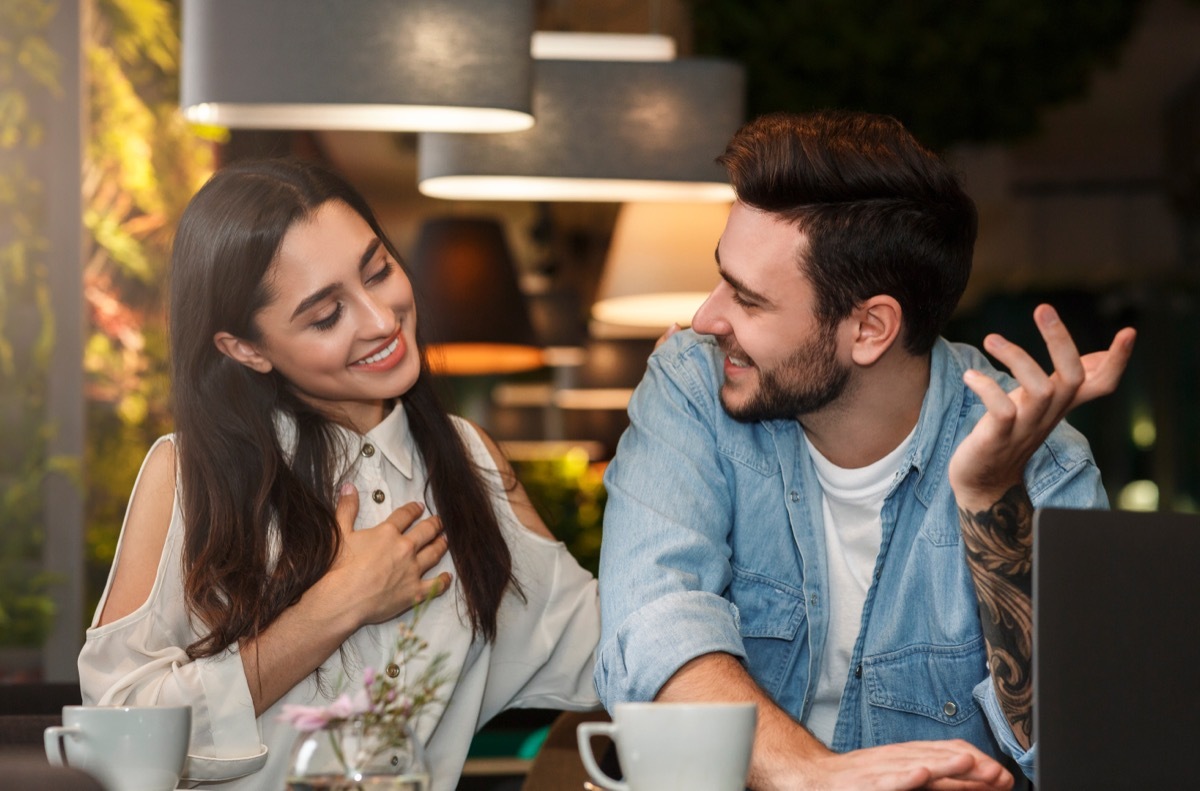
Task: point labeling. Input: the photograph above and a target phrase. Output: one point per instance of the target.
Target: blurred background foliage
(142, 164)
(569, 495)
(951, 71)
(29, 69)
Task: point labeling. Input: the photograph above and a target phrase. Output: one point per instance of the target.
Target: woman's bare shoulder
(144, 534)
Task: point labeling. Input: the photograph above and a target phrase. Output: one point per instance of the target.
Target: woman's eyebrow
(320, 295)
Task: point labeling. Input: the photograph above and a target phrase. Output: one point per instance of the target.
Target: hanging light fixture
(606, 131)
(472, 314)
(659, 268)
(460, 65)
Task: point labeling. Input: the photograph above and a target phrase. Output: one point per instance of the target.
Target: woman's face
(341, 324)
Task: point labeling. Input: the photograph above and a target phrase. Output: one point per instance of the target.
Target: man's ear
(242, 351)
(877, 328)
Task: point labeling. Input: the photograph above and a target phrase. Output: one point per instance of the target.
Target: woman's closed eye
(329, 321)
(383, 273)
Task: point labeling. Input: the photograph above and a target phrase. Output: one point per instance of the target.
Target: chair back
(557, 765)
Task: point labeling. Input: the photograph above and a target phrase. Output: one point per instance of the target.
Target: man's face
(781, 361)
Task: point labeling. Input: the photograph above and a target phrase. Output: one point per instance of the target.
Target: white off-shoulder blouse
(542, 655)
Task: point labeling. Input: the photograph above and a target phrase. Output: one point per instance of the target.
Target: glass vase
(354, 757)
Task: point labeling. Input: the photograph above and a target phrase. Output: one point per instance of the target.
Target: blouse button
(950, 709)
(368, 450)
(393, 670)
(378, 496)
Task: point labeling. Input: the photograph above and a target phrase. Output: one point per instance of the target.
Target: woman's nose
(379, 315)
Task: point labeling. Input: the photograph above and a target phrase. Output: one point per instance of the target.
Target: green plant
(142, 164)
(568, 493)
(29, 71)
(951, 72)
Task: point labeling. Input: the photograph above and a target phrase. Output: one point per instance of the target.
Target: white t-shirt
(852, 501)
(542, 657)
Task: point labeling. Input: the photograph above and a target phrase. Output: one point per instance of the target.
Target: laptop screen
(1116, 618)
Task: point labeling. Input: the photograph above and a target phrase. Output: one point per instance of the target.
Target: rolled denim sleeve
(664, 566)
(1061, 475)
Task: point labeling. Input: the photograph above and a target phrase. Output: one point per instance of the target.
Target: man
(820, 504)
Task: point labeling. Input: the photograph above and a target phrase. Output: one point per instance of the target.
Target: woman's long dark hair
(239, 484)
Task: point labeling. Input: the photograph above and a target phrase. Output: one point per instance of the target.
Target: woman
(312, 493)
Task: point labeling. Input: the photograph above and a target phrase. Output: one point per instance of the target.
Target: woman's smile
(384, 358)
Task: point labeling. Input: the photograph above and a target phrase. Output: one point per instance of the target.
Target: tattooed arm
(987, 476)
(999, 542)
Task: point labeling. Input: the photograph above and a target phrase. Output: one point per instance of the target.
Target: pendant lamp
(660, 266)
(606, 131)
(461, 65)
(470, 311)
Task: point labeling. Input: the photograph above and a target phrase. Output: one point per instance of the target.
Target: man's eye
(741, 301)
(328, 322)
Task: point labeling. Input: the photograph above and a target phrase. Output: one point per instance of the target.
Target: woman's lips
(384, 357)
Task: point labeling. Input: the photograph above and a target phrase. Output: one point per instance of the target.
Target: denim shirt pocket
(770, 616)
(925, 692)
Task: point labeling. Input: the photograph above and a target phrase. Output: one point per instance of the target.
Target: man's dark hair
(882, 214)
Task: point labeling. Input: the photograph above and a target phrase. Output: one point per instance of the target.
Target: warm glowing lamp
(660, 266)
(473, 316)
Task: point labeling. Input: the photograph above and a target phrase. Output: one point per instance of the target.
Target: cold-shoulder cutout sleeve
(518, 500)
(140, 658)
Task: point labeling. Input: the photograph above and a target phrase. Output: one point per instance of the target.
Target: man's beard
(808, 380)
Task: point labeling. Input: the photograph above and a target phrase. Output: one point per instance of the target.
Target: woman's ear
(242, 351)
(877, 328)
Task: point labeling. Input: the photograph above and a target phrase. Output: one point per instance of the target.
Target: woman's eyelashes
(383, 272)
(328, 322)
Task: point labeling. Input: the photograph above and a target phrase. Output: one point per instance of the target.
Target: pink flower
(346, 707)
(305, 718)
(368, 676)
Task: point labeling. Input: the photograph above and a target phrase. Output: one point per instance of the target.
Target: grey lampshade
(606, 130)
(470, 311)
(358, 64)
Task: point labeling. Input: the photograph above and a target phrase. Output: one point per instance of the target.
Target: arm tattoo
(999, 544)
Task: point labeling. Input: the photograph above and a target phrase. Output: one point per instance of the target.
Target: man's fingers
(1039, 389)
(1064, 355)
(347, 508)
(1104, 368)
(995, 400)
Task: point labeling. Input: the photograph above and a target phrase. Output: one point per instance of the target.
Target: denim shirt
(713, 542)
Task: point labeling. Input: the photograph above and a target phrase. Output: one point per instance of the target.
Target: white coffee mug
(126, 748)
(675, 746)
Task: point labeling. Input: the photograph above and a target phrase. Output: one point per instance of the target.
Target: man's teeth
(739, 362)
(381, 354)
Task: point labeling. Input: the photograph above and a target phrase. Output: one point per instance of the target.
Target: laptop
(1116, 660)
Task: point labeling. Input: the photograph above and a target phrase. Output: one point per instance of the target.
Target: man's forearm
(999, 544)
(783, 749)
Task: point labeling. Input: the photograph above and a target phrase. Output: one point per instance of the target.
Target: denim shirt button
(858, 674)
(795, 496)
(813, 599)
(950, 709)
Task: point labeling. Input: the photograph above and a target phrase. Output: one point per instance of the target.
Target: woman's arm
(377, 575)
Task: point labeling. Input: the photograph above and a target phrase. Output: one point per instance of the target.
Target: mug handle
(55, 754)
(583, 734)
